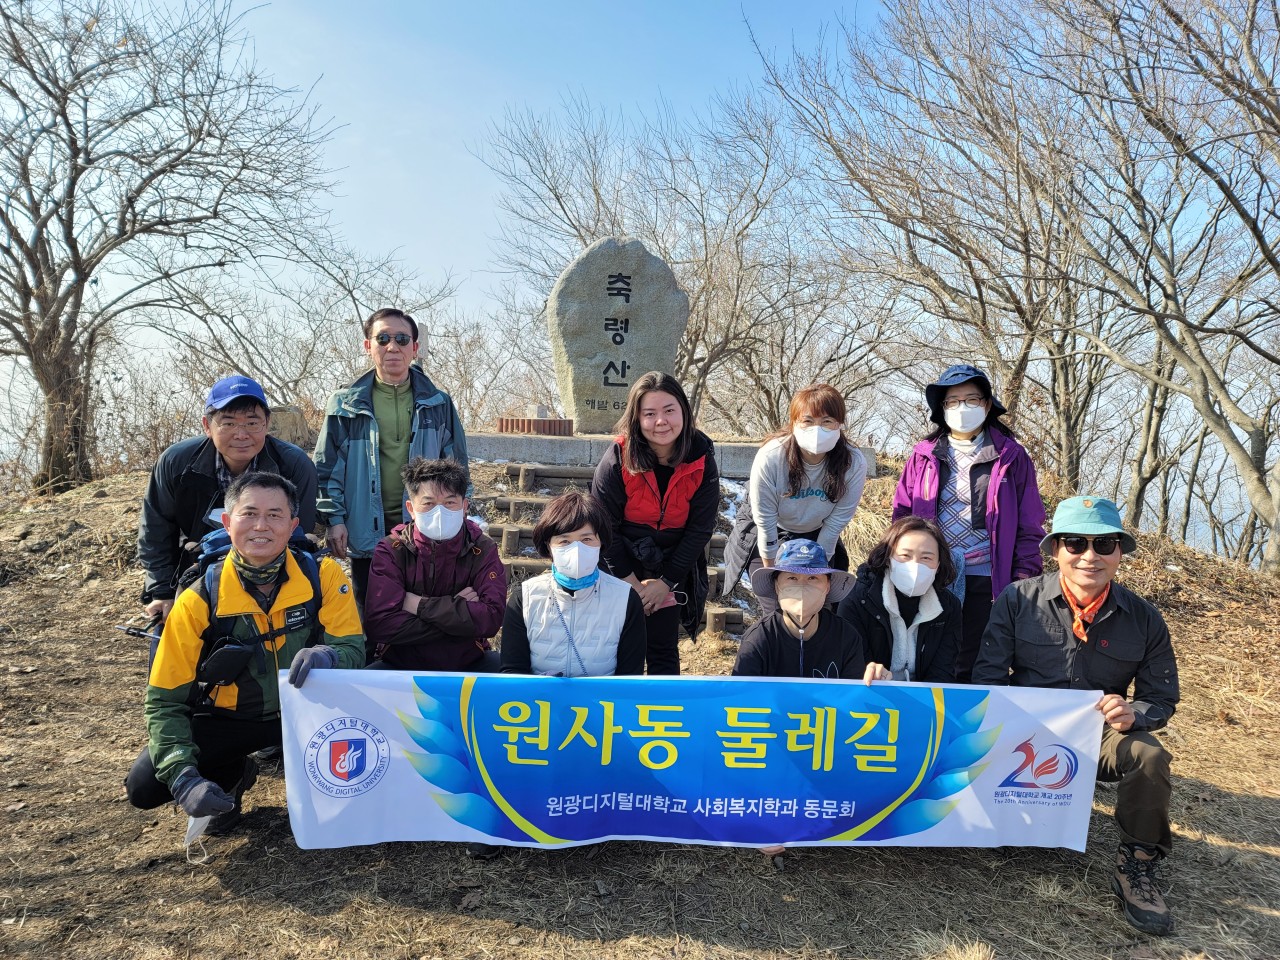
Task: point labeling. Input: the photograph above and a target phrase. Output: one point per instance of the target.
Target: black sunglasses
(403, 339)
(1102, 546)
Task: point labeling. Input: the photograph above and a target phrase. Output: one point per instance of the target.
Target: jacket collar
(234, 600)
(1119, 596)
(358, 398)
(414, 542)
(204, 460)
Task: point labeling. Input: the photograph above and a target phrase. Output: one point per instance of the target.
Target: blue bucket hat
(801, 556)
(1088, 516)
(953, 377)
(233, 388)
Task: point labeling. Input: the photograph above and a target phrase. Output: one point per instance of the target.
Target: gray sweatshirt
(775, 507)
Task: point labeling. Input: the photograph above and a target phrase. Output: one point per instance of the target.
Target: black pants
(662, 652)
(977, 611)
(222, 743)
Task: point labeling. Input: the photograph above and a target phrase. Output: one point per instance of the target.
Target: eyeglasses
(251, 427)
(401, 339)
(1102, 546)
(955, 403)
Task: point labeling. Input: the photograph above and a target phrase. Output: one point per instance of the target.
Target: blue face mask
(581, 583)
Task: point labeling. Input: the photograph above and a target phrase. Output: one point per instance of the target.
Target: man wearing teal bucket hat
(1078, 628)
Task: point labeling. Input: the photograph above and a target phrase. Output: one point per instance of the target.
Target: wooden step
(532, 477)
(517, 508)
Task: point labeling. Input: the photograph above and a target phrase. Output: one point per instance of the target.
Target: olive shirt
(1029, 643)
(393, 409)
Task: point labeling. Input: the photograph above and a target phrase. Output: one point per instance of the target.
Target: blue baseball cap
(801, 556)
(952, 377)
(233, 388)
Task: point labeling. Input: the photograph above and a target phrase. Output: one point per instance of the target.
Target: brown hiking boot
(1134, 882)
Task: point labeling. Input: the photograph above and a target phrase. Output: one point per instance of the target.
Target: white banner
(373, 756)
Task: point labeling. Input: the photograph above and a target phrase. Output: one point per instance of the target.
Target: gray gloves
(199, 797)
(307, 659)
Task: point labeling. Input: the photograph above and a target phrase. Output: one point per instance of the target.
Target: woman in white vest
(574, 620)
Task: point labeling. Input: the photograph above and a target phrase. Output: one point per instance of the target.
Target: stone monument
(615, 314)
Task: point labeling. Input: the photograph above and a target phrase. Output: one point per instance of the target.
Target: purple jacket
(445, 633)
(1015, 512)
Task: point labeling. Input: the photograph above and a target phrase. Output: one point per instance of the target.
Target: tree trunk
(65, 446)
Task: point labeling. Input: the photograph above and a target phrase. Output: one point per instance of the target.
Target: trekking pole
(150, 632)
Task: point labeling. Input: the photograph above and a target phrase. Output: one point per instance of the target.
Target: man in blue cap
(185, 496)
(1078, 628)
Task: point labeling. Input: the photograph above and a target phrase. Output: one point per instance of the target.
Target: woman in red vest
(661, 488)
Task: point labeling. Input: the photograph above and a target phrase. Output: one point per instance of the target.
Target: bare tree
(139, 146)
(720, 200)
(1032, 177)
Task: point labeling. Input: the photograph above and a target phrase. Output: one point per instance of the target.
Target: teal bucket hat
(1088, 516)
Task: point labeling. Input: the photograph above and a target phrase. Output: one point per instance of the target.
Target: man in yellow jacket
(213, 697)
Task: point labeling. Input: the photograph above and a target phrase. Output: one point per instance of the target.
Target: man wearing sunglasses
(185, 497)
(371, 430)
(1078, 628)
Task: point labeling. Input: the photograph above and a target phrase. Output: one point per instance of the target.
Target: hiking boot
(482, 851)
(1134, 882)
(224, 823)
(268, 757)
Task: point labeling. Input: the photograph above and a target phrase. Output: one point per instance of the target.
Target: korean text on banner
(549, 762)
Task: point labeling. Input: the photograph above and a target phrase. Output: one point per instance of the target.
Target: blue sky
(415, 86)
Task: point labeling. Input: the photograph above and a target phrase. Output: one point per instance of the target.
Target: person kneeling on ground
(574, 620)
(437, 587)
(213, 696)
(803, 638)
(1078, 628)
(899, 607)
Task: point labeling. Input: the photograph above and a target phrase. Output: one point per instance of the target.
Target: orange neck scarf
(1080, 615)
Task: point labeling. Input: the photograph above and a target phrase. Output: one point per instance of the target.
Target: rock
(616, 313)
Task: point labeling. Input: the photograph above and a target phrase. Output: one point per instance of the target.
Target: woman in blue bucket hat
(977, 482)
(804, 638)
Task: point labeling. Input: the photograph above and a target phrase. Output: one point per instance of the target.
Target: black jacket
(937, 641)
(678, 553)
(834, 652)
(184, 490)
(1029, 643)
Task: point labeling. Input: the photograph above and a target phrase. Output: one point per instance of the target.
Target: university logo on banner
(346, 757)
(544, 761)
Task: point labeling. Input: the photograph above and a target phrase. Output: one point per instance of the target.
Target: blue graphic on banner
(566, 761)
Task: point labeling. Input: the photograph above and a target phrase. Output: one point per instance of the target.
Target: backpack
(213, 670)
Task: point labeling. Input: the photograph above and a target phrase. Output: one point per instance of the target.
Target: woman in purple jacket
(978, 483)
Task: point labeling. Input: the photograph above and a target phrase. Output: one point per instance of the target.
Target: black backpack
(224, 657)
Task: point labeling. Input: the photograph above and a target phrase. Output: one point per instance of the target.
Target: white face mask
(910, 578)
(816, 439)
(575, 560)
(439, 523)
(801, 601)
(965, 419)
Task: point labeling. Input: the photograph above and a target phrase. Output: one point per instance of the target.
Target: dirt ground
(82, 874)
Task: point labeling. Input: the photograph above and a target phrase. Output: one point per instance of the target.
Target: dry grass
(84, 875)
